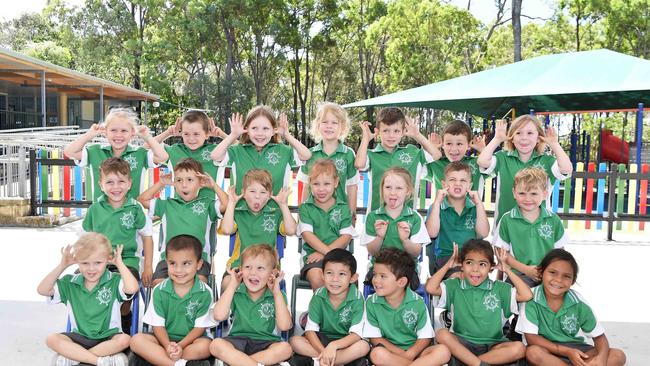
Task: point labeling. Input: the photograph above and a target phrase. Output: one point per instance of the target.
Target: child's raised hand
(96, 130)
(551, 136)
(532, 272)
(436, 140)
(501, 130)
(474, 197)
(411, 127)
(453, 260)
(237, 125)
(232, 195)
(441, 194)
(206, 180)
(502, 259)
(365, 131)
(117, 255)
(67, 256)
(478, 143)
(274, 280)
(577, 357)
(403, 230)
(283, 125)
(380, 228)
(282, 197)
(166, 179)
(235, 276)
(175, 129)
(142, 131)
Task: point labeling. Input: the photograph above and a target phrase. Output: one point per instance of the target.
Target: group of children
(392, 326)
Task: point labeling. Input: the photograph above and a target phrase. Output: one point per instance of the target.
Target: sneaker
(59, 360)
(118, 359)
(303, 320)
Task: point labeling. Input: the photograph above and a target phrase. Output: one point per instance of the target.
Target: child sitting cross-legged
(478, 306)
(335, 323)
(396, 320)
(259, 312)
(93, 298)
(179, 311)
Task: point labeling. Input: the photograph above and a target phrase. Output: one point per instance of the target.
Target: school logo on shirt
(199, 208)
(132, 161)
(473, 166)
(538, 165)
(340, 165)
(345, 316)
(273, 158)
(128, 220)
(545, 230)
(190, 309)
(491, 302)
(205, 155)
(267, 310)
(409, 317)
(405, 158)
(104, 296)
(335, 217)
(569, 324)
(470, 223)
(268, 224)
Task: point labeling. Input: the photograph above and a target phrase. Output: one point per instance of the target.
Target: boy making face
(335, 323)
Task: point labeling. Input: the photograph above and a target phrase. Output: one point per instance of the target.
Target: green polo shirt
(419, 232)
(254, 319)
(125, 225)
(180, 151)
(401, 326)
(336, 323)
(379, 160)
(179, 315)
(528, 241)
(436, 173)
(455, 228)
(277, 159)
(255, 228)
(505, 164)
(139, 158)
(574, 319)
(190, 218)
(326, 225)
(343, 158)
(478, 313)
(94, 314)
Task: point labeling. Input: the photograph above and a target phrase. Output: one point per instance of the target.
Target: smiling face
(186, 184)
(394, 191)
(557, 278)
(93, 266)
(529, 199)
(457, 183)
(119, 132)
(256, 272)
(385, 282)
(476, 267)
(322, 187)
(256, 196)
(391, 135)
(329, 127)
(337, 278)
(260, 131)
(182, 265)
(454, 146)
(115, 186)
(193, 134)
(525, 138)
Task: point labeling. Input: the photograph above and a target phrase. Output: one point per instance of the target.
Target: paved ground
(609, 278)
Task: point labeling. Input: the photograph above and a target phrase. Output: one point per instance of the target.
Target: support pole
(43, 101)
(531, 112)
(547, 121)
(101, 103)
(639, 133)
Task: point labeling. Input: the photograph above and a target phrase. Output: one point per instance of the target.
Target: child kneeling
(335, 323)
(93, 298)
(259, 311)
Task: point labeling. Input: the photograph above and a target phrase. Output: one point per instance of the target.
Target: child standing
(334, 327)
(394, 224)
(259, 312)
(329, 129)
(525, 142)
(455, 216)
(260, 148)
(186, 213)
(529, 230)
(325, 223)
(93, 298)
(392, 125)
(555, 318)
(122, 220)
(120, 126)
(179, 311)
(478, 306)
(258, 218)
(396, 320)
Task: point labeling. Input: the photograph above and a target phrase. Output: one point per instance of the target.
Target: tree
(516, 29)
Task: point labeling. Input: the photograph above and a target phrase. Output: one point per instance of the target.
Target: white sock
(180, 362)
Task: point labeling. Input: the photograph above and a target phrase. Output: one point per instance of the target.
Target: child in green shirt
(335, 324)
(93, 298)
(120, 126)
(179, 310)
(478, 306)
(396, 320)
(392, 125)
(554, 321)
(456, 215)
(259, 312)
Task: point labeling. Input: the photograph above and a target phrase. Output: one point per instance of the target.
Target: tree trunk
(230, 45)
(516, 28)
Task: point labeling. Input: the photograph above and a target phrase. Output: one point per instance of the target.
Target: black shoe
(126, 323)
(445, 319)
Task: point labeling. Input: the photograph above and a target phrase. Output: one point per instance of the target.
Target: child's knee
(283, 349)
(378, 354)
(123, 340)
(518, 350)
(616, 357)
(535, 354)
(443, 335)
(54, 339)
(217, 346)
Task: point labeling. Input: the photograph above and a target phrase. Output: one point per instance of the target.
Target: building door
(3, 111)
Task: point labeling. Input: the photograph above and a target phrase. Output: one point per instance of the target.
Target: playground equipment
(613, 148)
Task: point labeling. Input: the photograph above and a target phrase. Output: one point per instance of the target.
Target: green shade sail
(577, 81)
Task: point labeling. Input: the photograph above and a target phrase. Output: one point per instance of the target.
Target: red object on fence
(613, 148)
(300, 191)
(643, 195)
(589, 193)
(156, 178)
(66, 189)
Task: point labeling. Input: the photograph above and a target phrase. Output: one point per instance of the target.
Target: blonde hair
(91, 243)
(520, 122)
(260, 176)
(400, 172)
(339, 113)
(260, 111)
(126, 113)
(323, 166)
(261, 250)
(531, 178)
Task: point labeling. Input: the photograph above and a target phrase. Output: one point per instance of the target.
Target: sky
(482, 9)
